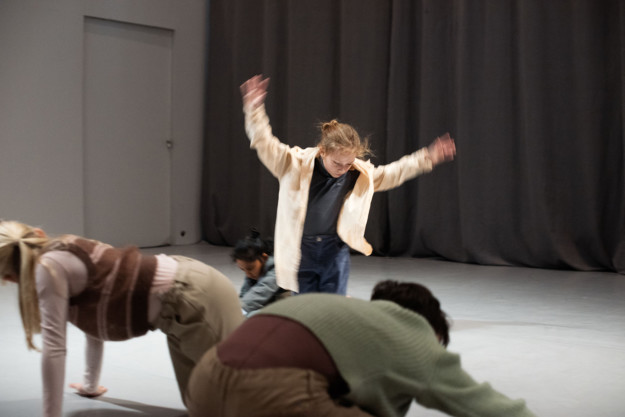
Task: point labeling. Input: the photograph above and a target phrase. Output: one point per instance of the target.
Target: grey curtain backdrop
(532, 90)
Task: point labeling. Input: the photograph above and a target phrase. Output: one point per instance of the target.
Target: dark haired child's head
(417, 298)
(251, 253)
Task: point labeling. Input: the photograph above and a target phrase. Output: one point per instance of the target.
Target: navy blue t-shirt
(325, 199)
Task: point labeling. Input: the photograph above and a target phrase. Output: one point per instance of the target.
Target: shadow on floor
(131, 408)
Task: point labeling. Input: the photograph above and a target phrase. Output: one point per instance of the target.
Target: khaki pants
(217, 390)
(199, 311)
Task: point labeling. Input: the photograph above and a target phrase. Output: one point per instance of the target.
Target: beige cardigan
(293, 167)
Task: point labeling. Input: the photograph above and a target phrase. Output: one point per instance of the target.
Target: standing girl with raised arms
(325, 194)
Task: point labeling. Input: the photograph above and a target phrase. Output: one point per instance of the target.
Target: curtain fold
(532, 91)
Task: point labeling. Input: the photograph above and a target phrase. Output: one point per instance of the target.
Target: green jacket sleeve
(454, 392)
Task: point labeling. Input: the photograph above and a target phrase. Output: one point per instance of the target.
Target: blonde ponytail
(20, 245)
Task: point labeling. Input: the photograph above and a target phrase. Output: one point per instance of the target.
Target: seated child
(253, 256)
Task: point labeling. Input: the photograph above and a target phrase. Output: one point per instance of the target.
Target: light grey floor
(554, 338)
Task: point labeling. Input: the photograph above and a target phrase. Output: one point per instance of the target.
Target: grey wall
(40, 116)
(41, 108)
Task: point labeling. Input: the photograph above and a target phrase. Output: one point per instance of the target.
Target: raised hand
(443, 149)
(254, 91)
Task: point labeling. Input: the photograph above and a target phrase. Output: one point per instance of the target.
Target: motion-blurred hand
(254, 91)
(443, 149)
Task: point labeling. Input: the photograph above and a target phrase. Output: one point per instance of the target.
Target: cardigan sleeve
(275, 155)
(406, 168)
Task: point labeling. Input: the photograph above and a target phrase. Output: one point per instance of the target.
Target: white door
(127, 131)
(143, 77)
(92, 92)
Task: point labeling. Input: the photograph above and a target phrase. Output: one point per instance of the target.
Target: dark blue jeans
(324, 266)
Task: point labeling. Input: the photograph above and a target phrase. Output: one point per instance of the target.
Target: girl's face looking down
(337, 163)
(254, 268)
